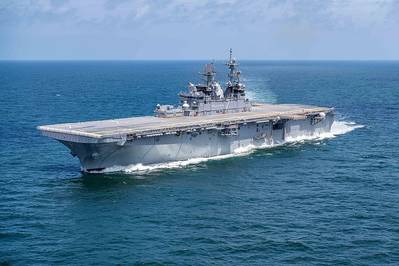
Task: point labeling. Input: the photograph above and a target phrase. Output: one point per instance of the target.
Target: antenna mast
(209, 73)
(234, 74)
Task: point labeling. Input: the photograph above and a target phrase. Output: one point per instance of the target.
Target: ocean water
(328, 201)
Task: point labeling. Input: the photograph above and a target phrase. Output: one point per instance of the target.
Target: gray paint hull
(187, 145)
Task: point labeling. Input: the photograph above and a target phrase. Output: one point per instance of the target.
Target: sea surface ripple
(327, 201)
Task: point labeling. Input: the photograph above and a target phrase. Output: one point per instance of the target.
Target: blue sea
(329, 201)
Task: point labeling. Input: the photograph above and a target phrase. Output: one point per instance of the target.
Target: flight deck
(152, 125)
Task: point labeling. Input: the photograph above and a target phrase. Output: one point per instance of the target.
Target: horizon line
(170, 59)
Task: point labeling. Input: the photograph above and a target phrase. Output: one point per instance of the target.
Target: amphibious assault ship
(210, 121)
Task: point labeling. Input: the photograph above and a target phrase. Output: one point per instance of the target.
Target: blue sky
(199, 29)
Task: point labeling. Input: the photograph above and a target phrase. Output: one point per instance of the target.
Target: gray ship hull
(210, 121)
(203, 143)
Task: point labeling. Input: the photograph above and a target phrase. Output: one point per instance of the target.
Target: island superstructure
(210, 121)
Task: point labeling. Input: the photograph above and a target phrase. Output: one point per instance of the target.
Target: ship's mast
(234, 74)
(209, 74)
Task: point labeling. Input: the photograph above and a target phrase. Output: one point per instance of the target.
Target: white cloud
(336, 12)
(362, 13)
(294, 27)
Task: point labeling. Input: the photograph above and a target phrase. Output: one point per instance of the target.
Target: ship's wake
(338, 128)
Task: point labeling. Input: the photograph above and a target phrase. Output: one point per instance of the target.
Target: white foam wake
(338, 128)
(168, 165)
